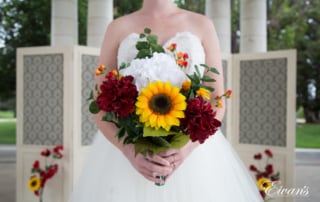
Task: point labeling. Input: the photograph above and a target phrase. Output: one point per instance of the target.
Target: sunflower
(34, 183)
(264, 184)
(160, 105)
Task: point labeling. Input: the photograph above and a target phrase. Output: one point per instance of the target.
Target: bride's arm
(151, 166)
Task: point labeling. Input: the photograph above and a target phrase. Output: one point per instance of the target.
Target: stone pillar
(253, 26)
(100, 14)
(64, 22)
(219, 11)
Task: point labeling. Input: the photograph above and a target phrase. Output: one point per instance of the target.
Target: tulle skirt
(212, 173)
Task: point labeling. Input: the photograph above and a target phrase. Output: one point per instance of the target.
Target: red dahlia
(118, 95)
(200, 121)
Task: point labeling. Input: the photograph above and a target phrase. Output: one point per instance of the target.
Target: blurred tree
(296, 24)
(82, 20)
(123, 7)
(192, 5)
(23, 23)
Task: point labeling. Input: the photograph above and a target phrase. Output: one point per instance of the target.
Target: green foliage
(8, 132)
(83, 18)
(295, 24)
(23, 24)
(148, 45)
(123, 7)
(308, 136)
(192, 5)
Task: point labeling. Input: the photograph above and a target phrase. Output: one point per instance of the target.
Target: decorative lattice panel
(43, 99)
(88, 127)
(263, 101)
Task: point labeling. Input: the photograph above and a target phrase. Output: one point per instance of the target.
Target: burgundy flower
(200, 120)
(263, 194)
(269, 169)
(268, 153)
(45, 153)
(36, 165)
(257, 156)
(57, 151)
(118, 95)
(253, 168)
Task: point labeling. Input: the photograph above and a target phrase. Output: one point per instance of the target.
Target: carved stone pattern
(43, 99)
(225, 73)
(263, 101)
(88, 127)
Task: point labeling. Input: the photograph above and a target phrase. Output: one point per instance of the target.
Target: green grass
(8, 132)
(308, 136)
(6, 114)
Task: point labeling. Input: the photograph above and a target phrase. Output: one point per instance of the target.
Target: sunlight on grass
(308, 136)
(8, 132)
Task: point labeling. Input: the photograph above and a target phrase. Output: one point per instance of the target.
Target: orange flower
(228, 93)
(219, 102)
(99, 70)
(172, 47)
(180, 55)
(186, 85)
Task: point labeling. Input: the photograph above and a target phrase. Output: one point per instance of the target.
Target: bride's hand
(177, 157)
(150, 166)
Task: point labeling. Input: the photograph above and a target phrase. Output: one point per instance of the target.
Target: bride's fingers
(158, 160)
(168, 153)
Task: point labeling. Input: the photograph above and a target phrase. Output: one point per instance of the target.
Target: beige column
(253, 26)
(64, 22)
(219, 11)
(100, 14)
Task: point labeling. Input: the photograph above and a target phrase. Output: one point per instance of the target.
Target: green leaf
(214, 70)
(157, 48)
(90, 96)
(147, 30)
(141, 36)
(121, 132)
(207, 87)
(153, 39)
(109, 116)
(179, 140)
(151, 132)
(143, 53)
(144, 145)
(142, 45)
(207, 78)
(94, 108)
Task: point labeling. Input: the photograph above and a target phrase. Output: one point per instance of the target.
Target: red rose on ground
(45, 153)
(200, 120)
(268, 153)
(269, 169)
(253, 168)
(257, 156)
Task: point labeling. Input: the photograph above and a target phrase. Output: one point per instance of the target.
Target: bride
(209, 172)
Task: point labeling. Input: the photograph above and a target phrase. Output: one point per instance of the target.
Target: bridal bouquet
(153, 102)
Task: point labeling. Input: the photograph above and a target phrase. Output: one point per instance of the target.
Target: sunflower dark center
(160, 103)
(34, 183)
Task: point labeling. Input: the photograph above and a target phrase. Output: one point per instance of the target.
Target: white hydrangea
(161, 67)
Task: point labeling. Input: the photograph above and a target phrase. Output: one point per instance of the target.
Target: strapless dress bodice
(186, 42)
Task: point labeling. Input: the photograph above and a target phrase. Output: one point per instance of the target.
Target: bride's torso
(186, 42)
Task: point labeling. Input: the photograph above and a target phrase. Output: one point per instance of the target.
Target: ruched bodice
(186, 42)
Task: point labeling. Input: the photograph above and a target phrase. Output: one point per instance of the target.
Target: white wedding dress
(212, 173)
